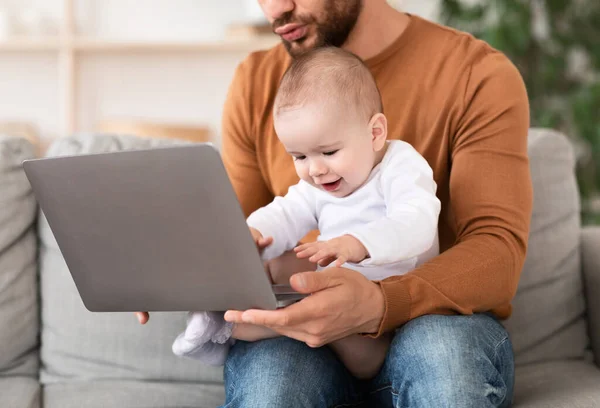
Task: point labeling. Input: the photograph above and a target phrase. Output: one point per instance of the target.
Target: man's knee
(279, 372)
(450, 360)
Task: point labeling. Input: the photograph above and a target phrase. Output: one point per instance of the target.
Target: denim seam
(501, 343)
(383, 388)
(231, 388)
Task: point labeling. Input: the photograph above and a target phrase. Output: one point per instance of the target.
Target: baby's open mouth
(332, 186)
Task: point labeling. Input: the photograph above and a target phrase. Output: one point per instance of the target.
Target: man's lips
(291, 32)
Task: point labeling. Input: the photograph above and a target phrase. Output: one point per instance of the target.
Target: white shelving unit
(69, 46)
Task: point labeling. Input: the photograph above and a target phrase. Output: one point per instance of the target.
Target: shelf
(70, 48)
(24, 44)
(229, 45)
(108, 46)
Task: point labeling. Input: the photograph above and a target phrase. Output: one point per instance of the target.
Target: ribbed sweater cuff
(397, 306)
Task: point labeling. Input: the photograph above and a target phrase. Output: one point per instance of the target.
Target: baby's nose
(317, 169)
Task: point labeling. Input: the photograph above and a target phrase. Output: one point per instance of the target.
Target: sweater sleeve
(490, 204)
(238, 144)
(287, 219)
(409, 228)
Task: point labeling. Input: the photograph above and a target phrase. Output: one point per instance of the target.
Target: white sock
(207, 338)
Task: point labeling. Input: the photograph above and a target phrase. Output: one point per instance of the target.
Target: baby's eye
(331, 153)
(299, 157)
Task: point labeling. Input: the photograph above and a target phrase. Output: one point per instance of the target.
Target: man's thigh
(447, 361)
(282, 372)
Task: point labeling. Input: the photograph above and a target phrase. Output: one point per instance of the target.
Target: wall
(172, 87)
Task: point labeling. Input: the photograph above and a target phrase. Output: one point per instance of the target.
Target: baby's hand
(341, 250)
(260, 241)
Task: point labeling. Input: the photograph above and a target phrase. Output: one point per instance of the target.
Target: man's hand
(342, 302)
(260, 241)
(142, 317)
(341, 250)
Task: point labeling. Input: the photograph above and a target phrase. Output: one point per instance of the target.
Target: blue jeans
(434, 361)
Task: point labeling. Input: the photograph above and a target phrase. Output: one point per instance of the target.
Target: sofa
(55, 353)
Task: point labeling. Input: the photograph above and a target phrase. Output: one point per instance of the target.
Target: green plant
(555, 44)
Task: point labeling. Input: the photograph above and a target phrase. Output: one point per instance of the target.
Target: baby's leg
(362, 356)
(250, 332)
(208, 336)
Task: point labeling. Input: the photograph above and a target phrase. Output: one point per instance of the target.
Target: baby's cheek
(348, 163)
(301, 170)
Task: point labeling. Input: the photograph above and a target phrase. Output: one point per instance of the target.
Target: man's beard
(332, 28)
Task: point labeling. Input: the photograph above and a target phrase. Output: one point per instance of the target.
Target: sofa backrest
(548, 320)
(18, 266)
(78, 344)
(548, 311)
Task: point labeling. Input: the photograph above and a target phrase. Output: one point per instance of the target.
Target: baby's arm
(341, 250)
(284, 221)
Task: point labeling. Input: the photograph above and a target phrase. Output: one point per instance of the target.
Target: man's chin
(296, 48)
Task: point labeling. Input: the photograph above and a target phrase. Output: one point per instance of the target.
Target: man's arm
(238, 145)
(491, 203)
(287, 219)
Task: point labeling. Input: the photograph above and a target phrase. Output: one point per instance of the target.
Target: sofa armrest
(590, 255)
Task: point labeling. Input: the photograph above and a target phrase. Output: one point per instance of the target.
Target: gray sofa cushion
(590, 254)
(19, 392)
(18, 268)
(80, 345)
(557, 384)
(132, 394)
(548, 311)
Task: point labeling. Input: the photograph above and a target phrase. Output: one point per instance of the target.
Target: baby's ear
(378, 129)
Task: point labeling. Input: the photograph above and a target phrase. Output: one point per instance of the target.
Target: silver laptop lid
(157, 230)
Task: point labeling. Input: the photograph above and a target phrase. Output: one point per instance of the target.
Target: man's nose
(317, 168)
(274, 9)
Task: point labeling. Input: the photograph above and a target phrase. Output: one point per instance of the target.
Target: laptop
(158, 229)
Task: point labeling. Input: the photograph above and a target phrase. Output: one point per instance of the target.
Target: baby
(372, 200)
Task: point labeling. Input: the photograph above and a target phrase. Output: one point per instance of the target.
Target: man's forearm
(478, 275)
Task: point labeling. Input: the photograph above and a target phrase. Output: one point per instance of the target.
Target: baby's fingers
(322, 254)
(340, 261)
(264, 242)
(306, 250)
(303, 247)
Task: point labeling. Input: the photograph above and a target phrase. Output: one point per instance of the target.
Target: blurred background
(164, 66)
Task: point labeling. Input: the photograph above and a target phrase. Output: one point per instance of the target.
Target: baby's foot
(207, 338)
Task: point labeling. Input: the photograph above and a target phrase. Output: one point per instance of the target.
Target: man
(463, 106)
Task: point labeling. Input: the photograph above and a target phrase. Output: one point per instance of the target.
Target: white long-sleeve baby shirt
(394, 214)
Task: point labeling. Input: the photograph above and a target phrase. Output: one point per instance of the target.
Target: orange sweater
(464, 107)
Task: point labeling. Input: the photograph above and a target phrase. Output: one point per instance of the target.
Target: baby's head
(328, 114)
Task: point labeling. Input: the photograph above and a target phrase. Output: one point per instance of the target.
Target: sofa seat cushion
(557, 384)
(21, 392)
(101, 394)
